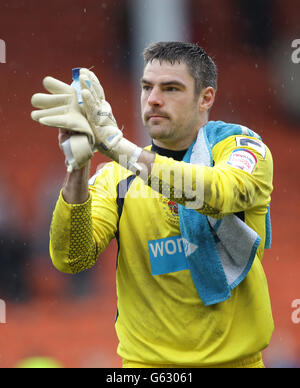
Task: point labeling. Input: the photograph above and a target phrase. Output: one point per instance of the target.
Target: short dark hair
(201, 66)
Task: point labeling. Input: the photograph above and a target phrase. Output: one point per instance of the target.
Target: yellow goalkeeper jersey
(161, 318)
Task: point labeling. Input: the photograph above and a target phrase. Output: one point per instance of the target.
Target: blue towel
(218, 261)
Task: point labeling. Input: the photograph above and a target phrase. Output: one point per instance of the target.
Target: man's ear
(206, 99)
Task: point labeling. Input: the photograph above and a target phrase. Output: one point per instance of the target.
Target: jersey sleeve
(79, 233)
(240, 179)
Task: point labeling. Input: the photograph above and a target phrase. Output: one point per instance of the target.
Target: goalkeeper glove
(108, 137)
(60, 109)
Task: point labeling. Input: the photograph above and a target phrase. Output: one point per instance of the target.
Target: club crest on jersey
(170, 210)
(173, 206)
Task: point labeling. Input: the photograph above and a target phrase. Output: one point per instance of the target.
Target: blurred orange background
(73, 320)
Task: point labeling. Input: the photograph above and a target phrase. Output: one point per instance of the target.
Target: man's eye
(145, 87)
(171, 89)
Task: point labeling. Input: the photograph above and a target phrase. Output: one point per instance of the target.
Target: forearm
(212, 191)
(75, 190)
(72, 245)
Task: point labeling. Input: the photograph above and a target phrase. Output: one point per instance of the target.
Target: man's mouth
(156, 116)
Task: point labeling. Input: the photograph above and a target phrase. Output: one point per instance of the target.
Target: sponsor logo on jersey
(170, 254)
(243, 159)
(167, 255)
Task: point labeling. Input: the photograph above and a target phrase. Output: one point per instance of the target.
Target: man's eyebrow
(144, 81)
(167, 83)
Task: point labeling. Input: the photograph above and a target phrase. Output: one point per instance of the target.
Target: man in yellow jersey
(190, 214)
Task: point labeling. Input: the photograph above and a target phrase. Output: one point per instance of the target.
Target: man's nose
(155, 97)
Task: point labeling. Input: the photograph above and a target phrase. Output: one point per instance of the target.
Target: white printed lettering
(158, 247)
(173, 244)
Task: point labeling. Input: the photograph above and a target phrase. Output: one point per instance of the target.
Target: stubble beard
(163, 131)
(171, 134)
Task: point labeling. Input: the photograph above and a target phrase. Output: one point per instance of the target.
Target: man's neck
(175, 154)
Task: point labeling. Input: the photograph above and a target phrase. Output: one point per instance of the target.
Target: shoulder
(220, 134)
(247, 152)
(243, 141)
(110, 172)
(217, 131)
